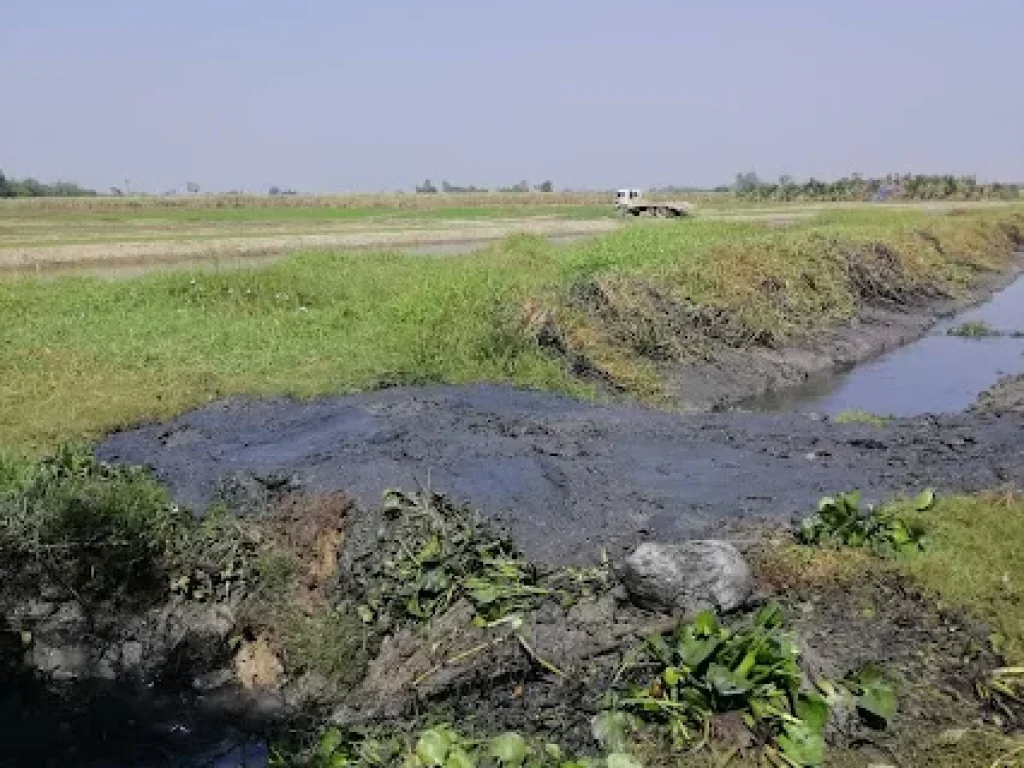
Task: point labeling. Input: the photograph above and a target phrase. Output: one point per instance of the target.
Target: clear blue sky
(336, 95)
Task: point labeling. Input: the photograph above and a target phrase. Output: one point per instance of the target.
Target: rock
(31, 611)
(131, 653)
(61, 662)
(688, 577)
(256, 666)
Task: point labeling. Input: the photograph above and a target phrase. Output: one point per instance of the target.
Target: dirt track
(567, 478)
(173, 247)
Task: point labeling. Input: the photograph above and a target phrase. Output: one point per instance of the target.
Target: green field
(306, 215)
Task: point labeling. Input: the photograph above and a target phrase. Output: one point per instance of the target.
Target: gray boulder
(688, 577)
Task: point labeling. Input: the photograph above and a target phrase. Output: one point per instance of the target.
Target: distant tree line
(748, 186)
(428, 188)
(32, 188)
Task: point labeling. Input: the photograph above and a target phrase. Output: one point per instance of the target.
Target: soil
(492, 679)
(935, 657)
(566, 478)
(1006, 397)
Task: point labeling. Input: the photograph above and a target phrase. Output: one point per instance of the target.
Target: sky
(336, 96)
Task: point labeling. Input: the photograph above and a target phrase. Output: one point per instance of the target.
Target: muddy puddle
(567, 479)
(939, 373)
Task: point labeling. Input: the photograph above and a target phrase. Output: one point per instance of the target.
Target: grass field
(47, 234)
(365, 202)
(37, 236)
(81, 356)
(30, 218)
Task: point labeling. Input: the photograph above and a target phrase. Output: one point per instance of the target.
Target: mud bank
(736, 376)
(1007, 397)
(566, 478)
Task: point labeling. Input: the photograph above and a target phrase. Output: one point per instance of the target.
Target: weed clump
(975, 329)
(99, 531)
(433, 554)
(840, 521)
(706, 669)
(861, 417)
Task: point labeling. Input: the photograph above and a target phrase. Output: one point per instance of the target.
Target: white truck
(632, 202)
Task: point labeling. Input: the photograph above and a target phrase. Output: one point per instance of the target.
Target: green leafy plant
(706, 668)
(873, 692)
(436, 554)
(442, 746)
(840, 521)
(217, 558)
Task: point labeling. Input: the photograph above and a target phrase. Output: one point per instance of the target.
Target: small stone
(256, 665)
(61, 663)
(688, 577)
(131, 654)
(214, 680)
(619, 593)
(952, 736)
(33, 611)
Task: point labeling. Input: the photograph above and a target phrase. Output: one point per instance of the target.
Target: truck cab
(626, 198)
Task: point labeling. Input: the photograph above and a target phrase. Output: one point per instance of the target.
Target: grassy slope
(80, 355)
(976, 559)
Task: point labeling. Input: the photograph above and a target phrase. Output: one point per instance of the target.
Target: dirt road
(567, 478)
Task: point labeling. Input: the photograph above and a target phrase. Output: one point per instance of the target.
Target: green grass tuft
(100, 532)
(974, 559)
(861, 417)
(976, 329)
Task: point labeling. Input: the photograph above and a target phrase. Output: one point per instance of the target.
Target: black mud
(1006, 397)
(567, 478)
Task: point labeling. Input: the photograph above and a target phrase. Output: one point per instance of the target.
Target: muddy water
(937, 374)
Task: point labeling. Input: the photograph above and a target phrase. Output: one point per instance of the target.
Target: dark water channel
(938, 373)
